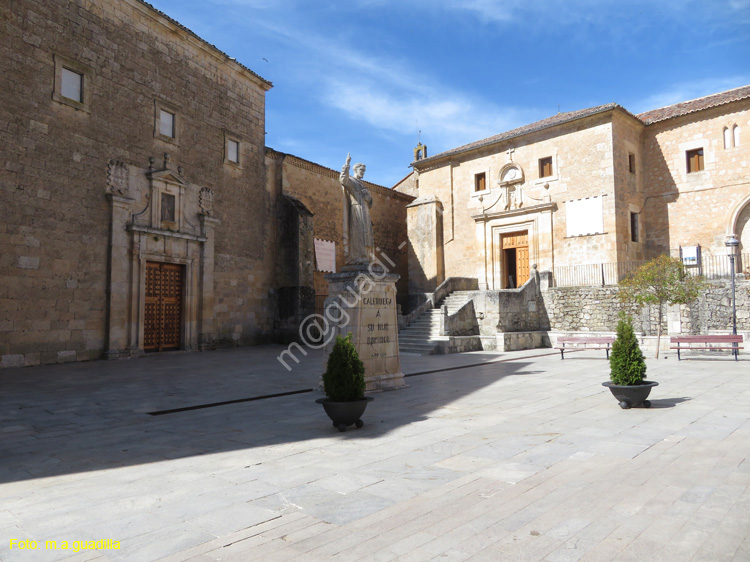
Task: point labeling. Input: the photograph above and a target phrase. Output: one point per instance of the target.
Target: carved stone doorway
(515, 252)
(163, 307)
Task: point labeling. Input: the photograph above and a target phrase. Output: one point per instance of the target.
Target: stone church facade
(133, 157)
(137, 211)
(595, 186)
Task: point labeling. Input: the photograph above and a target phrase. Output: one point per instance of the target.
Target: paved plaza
(484, 456)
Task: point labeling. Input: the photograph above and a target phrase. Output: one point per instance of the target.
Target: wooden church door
(163, 307)
(515, 248)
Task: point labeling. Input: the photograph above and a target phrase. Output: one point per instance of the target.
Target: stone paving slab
(484, 456)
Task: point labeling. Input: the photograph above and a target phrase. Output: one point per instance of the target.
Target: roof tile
(557, 119)
(686, 107)
(648, 117)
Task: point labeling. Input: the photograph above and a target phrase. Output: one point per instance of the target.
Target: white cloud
(490, 10)
(391, 95)
(447, 119)
(567, 12)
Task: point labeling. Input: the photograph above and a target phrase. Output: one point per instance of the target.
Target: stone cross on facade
(510, 153)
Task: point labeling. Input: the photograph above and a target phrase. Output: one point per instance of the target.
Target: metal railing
(594, 274)
(718, 267)
(601, 274)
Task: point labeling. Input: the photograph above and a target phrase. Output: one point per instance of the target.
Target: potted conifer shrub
(344, 385)
(628, 368)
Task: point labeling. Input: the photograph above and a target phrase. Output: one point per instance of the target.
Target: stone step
(414, 339)
(423, 335)
(426, 326)
(425, 322)
(419, 335)
(418, 350)
(425, 344)
(420, 341)
(423, 327)
(449, 300)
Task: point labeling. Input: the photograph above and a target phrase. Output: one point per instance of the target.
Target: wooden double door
(514, 247)
(163, 309)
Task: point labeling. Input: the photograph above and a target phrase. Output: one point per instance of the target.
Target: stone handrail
(463, 322)
(454, 284)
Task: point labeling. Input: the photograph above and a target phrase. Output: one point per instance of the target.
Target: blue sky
(366, 76)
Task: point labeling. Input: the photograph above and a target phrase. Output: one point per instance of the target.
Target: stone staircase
(423, 335)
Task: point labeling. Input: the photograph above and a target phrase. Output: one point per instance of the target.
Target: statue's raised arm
(358, 239)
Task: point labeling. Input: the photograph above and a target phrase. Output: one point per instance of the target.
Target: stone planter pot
(632, 395)
(344, 414)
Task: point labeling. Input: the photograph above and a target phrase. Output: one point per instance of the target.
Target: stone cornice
(544, 207)
(167, 233)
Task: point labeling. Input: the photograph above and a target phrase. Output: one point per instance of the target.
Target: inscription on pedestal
(378, 332)
(371, 318)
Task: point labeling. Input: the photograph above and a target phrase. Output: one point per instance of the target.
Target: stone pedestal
(362, 300)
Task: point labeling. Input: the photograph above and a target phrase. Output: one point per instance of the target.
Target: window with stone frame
(631, 163)
(545, 167)
(72, 84)
(694, 160)
(167, 123)
(480, 181)
(233, 149)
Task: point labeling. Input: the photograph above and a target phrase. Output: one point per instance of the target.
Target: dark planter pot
(632, 395)
(344, 414)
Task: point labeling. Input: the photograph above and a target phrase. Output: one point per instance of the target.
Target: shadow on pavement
(668, 402)
(73, 418)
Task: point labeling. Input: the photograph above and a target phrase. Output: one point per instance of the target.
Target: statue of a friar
(358, 239)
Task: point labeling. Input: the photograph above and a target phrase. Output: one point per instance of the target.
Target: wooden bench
(707, 342)
(584, 342)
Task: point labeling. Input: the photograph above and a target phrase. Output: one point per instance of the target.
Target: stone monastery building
(142, 212)
(594, 186)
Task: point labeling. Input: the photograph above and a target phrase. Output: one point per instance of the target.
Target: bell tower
(420, 152)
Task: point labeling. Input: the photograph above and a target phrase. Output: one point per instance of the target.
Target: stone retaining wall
(596, 309)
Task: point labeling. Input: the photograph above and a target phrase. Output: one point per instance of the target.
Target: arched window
(736, 135)
(727, 138)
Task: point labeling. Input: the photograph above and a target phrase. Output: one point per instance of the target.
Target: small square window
(233, 151)
(166, 124)
(631, 163)
(71, 85)
(694, 160)
(480, 182)
(634, 234)
(545, 167)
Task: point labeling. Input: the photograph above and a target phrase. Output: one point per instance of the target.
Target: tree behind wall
(661, 281)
